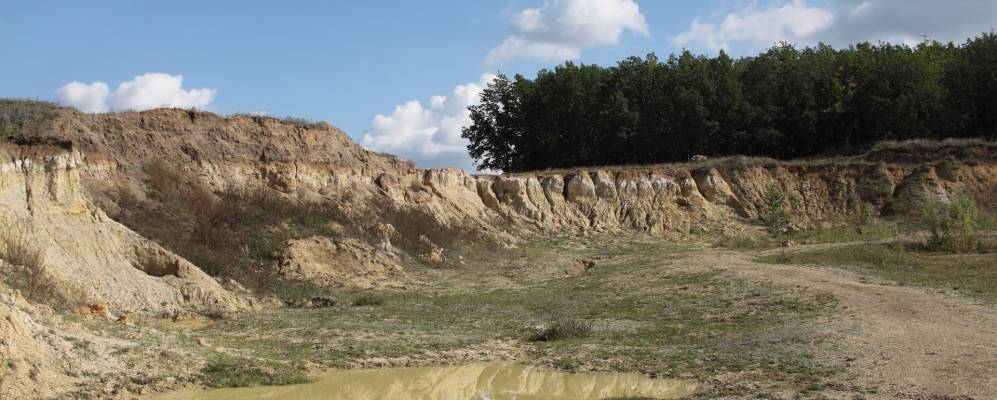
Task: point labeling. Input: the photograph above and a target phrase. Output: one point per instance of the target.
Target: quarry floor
(662, 307)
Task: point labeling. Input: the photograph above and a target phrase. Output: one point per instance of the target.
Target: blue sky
(347, 61)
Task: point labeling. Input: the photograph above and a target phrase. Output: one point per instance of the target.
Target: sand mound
(338, 262)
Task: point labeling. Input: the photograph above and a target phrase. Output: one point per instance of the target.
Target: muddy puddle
(485, 381)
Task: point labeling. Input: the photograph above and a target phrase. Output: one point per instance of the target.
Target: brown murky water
(485, 381)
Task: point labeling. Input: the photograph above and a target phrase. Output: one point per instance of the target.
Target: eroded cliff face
(61, 190)
(317, 160)
(89, 258)
(685, 198)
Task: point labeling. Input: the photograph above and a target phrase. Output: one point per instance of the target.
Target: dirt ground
(899, 342)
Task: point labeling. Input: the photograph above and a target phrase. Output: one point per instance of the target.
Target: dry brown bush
(21, 119)
(24, 262)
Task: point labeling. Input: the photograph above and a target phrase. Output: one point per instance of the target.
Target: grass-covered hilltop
(783, 103)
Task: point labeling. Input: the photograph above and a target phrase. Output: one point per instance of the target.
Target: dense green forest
(783, 103)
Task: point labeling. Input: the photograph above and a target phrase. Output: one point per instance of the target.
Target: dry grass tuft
(26, 262)
(559, 326)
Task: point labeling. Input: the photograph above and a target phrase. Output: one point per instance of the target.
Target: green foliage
(776, 215)
(783, 103)
(955, 227)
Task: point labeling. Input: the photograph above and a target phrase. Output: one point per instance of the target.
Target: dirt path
(894, 342)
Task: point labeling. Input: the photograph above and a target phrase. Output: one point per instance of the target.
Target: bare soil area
(895, 341)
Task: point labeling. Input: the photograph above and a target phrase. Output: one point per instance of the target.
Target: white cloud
(561, 29)
(841, 23)
(155, 90)
(90, 98)
(146, 91)
(788, 22)
(429, 135)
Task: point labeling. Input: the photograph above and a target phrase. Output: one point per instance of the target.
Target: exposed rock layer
(319, 160)
(58, 189)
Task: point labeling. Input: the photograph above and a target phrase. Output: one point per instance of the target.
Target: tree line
(784, 103)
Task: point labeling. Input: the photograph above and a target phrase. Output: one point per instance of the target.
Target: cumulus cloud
(561, 29)
(841, 23)
(428, 134)
(788, 22)
(90, 98)
(146, 91)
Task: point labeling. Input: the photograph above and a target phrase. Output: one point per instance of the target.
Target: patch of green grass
(842, 232)
(231, 372)
(974, 275)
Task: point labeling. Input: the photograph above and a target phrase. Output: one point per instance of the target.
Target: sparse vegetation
(954, 227)
(416, 231)
(776, 216)
(24, 265)
(369, 299)
(558, 326)
(24, 119)
(307, 123)
(863, 224)
(239, 233)
(230, 372)
(971, 274)
(634, 310)
(232, 234)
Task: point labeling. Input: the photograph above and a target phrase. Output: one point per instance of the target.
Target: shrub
(775, 216)
(952, 227)
(27, 269)
(559, 326)
(369, 299)
(25, 118)
(866, 216)
(307, 123)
